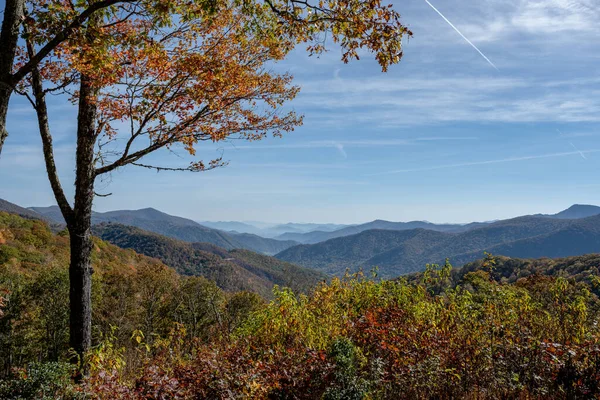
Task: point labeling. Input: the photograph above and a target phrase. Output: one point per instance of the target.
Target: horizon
(443, 136)
(276, 223)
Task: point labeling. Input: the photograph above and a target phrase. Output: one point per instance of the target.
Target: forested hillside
(231, 270)
(131, 292)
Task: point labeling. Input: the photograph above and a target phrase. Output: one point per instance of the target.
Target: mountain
(270, 230)
(352, 252)
(12, 208)
(232, 226)
(577, 211)
(232, 270)
(178, 228)
(321, 236)
(582, 237)
(401, 252)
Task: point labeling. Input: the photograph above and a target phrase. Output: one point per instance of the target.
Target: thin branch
(41, 111)
(63, 35)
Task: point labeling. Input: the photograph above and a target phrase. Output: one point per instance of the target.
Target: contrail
(580, 152)
(487, 162)
(340, 148)
(572, 145)
(463, 36)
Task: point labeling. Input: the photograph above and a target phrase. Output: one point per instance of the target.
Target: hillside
(31, 245)
(232, 270)
(184, 229)
(12, 208)
(577, 211)
(510, 270)
(401, 252)
(352, 252)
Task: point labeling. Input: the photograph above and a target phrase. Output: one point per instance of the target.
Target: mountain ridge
(176, 227)
(409, 251)
(232, 270)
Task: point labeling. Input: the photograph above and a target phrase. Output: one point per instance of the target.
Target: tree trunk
(80, 280)
(13, 15)
(80, 271)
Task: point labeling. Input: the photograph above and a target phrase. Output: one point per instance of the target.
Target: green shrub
(43, 381)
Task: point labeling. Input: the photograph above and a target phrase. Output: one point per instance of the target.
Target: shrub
(41, 381)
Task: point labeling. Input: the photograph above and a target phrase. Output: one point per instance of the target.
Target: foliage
(358, 339)
(132, 294)
(41, 381)
(180, 74)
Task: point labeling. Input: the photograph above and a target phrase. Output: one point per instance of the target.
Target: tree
(175, 75)
(65, 23)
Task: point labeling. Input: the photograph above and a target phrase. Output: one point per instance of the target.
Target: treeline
(479, 333)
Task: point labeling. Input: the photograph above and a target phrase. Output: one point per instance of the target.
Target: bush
(40, 381)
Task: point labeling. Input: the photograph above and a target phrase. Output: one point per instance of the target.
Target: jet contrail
(463, 36)
(572, 145)
(580, 152)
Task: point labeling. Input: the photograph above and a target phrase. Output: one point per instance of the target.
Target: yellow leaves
(178, 74)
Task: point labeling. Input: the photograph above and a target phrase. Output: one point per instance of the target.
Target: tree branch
(63, 35)
(41, 111)
(171, 138)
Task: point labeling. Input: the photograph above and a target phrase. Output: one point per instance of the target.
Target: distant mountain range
(231, 270)
(317, 236)
(401, 252)
(271, 230)
(395, 247)
(178, 228)
(320, 236)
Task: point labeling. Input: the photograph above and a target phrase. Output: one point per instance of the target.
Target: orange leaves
(168, 73)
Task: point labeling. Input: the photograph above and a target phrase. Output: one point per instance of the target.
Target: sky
(493, 112)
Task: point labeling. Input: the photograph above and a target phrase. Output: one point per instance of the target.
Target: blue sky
(443, 136)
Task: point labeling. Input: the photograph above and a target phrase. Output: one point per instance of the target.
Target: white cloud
(390, 102)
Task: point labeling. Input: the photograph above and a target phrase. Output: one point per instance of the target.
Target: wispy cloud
(418, 101)
(487, 162)
(340, 145)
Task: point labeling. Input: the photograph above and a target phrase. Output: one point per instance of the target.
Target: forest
(497, 328)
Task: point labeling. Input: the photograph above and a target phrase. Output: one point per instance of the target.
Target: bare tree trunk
(13, 15)
(80, 270)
